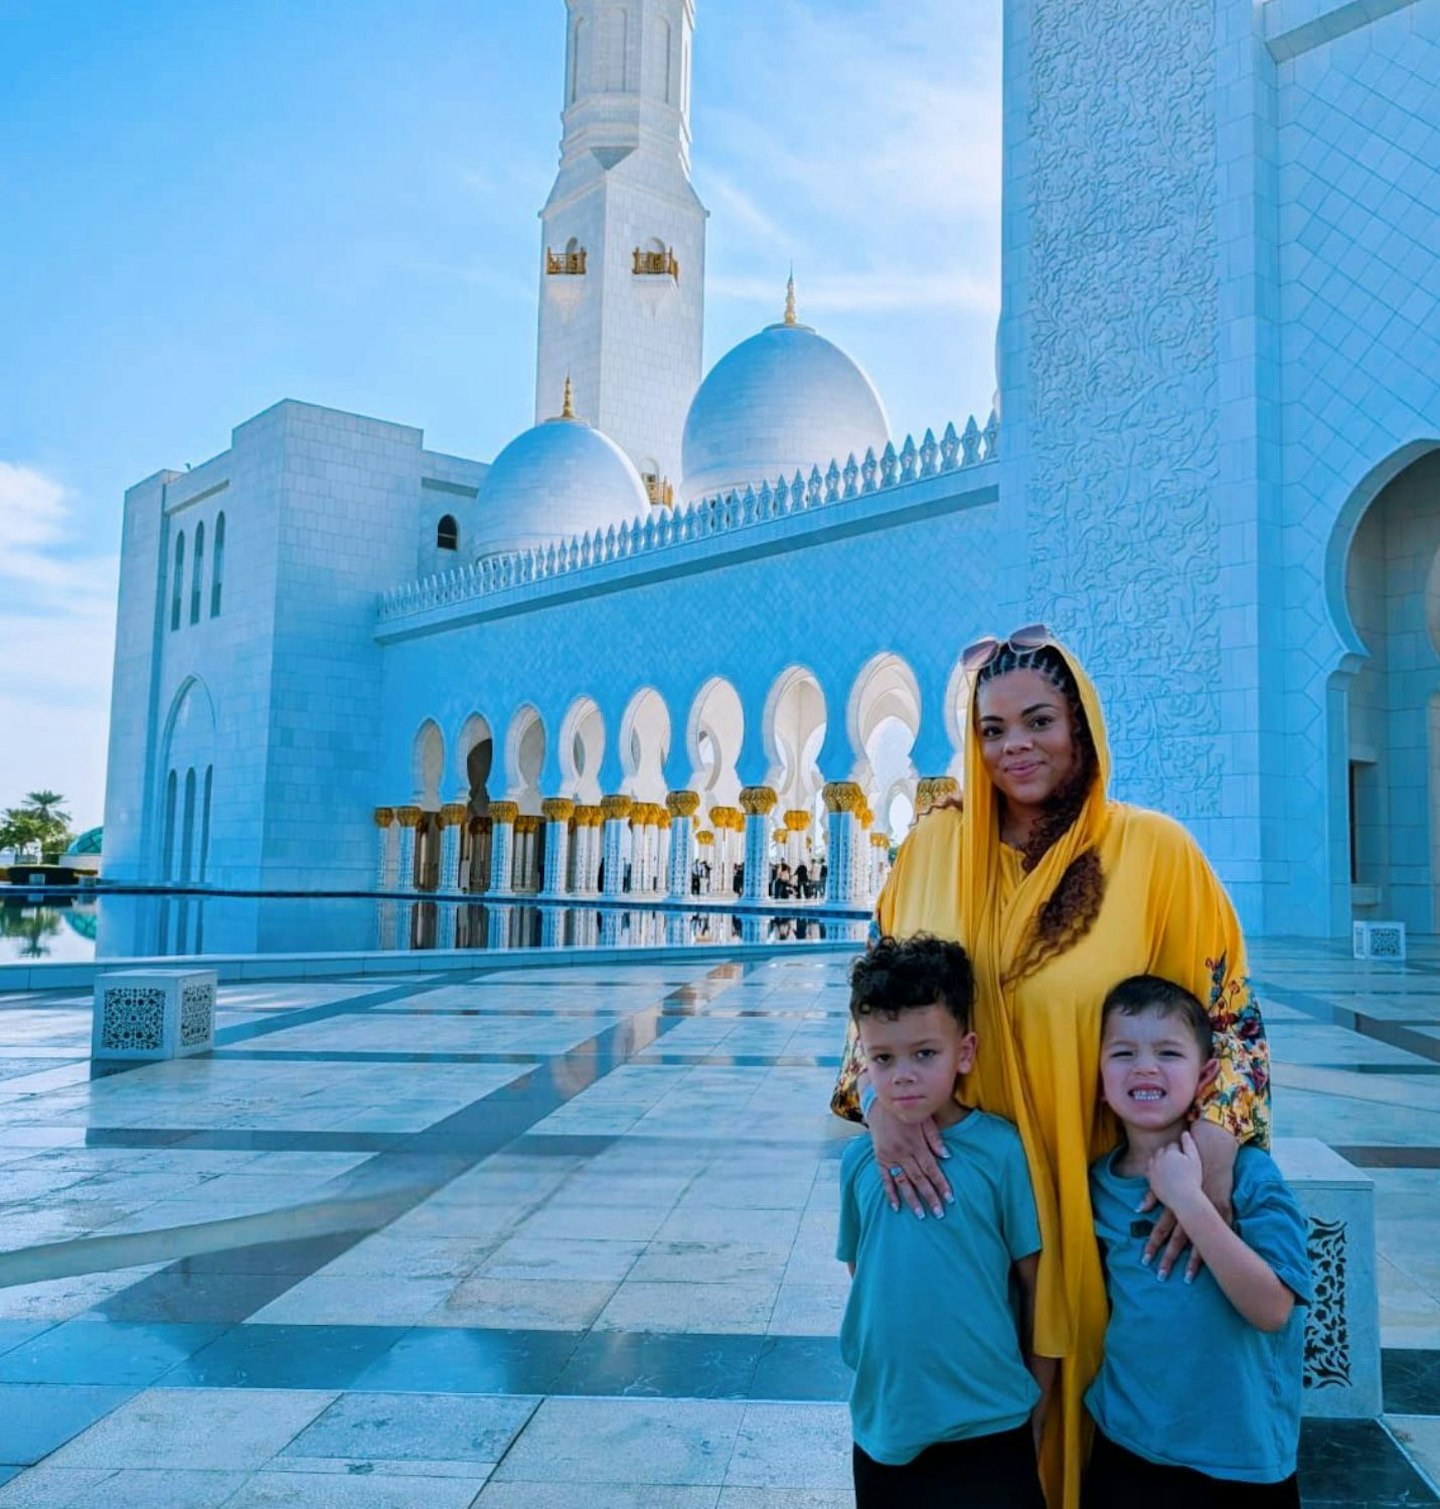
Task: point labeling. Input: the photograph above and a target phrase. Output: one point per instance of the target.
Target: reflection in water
(159, 924)
(58, 930)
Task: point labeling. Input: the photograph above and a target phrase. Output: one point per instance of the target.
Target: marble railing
(705, 519)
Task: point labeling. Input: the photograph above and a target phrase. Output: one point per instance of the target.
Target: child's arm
(1245, 1278)
(1042, 1369)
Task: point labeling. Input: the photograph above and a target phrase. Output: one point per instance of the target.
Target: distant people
(824, 877)
(802, 880)
(781, 886)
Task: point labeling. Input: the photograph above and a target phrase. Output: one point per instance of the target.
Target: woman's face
(1027, 737)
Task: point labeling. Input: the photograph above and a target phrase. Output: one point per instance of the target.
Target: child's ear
(1209, 1073)
(966, 1057)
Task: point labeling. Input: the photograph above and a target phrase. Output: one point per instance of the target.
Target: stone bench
(1342, 1328)
(153, 1013)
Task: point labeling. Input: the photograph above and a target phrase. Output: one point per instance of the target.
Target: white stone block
(1342, 1327)
(153, 1013)
(1380, 940)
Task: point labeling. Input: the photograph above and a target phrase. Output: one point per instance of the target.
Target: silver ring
(896, 1172)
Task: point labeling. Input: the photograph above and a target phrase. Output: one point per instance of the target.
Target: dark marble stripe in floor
(1381, 1030)
(1421, 1069)
(1391, 1157)
(476, 1360)
(229, 1285)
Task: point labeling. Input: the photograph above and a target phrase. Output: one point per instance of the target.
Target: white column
(452, 817)
(558, 811)
(617, 814)
(387, 849)
(843, 800)
(757, 803)
(662, 855)
(502, 847)
(409, 819)
(683, 806)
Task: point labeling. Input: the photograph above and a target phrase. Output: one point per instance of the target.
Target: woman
(1059, 893)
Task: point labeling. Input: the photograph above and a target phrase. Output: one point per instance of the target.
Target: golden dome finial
(567, 408)
(790, 318)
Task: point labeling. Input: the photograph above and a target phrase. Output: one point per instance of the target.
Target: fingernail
(949, 1197)
(919, 1215)
(1144, 1259)
(944, 1152)
(938, 1213)
(1189, 1278)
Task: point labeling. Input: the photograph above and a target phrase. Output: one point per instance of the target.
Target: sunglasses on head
(977, 656)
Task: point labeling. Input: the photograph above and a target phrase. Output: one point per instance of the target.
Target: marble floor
(546, 1237)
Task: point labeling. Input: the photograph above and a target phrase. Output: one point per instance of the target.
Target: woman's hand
(915, 1151)
(1217, 1150)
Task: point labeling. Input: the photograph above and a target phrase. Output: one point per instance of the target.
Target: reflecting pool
(78, 929)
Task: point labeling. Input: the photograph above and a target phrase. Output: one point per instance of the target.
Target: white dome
(560, 479)
(783, 401)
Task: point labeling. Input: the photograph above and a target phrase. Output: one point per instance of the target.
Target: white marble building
(721, 620)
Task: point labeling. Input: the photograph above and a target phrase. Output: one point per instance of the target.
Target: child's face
(915, 1058)
(1151, 1070)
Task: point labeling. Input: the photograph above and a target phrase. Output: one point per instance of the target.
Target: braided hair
(1072, 907)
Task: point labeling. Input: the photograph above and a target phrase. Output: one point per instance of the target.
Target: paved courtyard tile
(543, 1238)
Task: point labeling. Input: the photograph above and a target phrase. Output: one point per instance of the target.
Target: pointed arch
(714, 739)
(427, 764)
(581, 749)
(645, 745)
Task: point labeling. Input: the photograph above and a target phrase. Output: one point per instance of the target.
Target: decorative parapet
(727, 514)
(566, 264)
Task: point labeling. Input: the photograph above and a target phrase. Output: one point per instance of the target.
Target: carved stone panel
(1123, 375)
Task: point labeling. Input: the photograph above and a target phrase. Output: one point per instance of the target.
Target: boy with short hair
(945, 1407)
(1200, 1386)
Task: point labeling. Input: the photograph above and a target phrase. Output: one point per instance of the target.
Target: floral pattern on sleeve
(845, 1100)
(1239, 1100)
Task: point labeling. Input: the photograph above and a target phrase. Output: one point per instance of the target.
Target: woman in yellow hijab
(1059, 893)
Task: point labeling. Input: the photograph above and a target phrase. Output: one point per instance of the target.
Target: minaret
(623, 254)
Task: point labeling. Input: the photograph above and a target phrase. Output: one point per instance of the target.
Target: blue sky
(208, 206)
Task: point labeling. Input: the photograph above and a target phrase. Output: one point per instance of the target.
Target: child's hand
(1177, 1175)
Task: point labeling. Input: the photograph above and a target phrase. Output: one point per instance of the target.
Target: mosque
(1212, 465)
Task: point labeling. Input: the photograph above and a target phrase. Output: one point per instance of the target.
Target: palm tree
(44, 804)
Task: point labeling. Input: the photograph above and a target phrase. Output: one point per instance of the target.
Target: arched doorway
(1392, 758)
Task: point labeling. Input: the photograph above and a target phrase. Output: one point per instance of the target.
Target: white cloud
(57, 636)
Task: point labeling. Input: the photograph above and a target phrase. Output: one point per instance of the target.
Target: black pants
(1118, 1479)
(985, 1472)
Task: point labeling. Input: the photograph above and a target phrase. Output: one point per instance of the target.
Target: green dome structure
(88, 842)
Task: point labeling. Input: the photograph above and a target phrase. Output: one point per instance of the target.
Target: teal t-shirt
(930, 1329)
(1186, 1380)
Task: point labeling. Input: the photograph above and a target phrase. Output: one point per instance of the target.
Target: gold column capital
(384, 816)
(453, 814)
(705, 838)
(797, 820)
(408, 817)
(558, 809)
(662, 818)
(757, 801)
(682, 803)
(880, 840)
(930, 789)
(843, 796)
(617, 806)
(504, 812)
